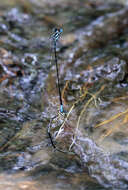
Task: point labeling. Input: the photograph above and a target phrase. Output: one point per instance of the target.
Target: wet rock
(7, 131)
(10, 68)
(39, 44)
(107, 68)
(68, 39)
(17, 41)
(108, 172)
(3, 27)
(123, 155)
(112, 70)
(121, 138)
(14, 16)
(27, 161)
(42, 156)
(8, 160)
(23, 161)
(105, 29)
(29, 59)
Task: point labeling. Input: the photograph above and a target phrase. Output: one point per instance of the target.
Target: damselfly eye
(61, 30)
(55, 30)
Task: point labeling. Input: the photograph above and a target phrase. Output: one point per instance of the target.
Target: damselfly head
(56, 34)
(60, 30)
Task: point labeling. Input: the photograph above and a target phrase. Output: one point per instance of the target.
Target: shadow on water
(93, 68)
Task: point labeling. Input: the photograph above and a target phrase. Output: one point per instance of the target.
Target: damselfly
(61, 116)
(55, 38)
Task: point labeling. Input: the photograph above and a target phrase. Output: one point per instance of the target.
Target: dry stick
(52, 142)
(125, 119)
(69, 112)
(19, 133)
(64, 89)
(83, 110)
(73, 106)
(7, 144)
(106, 134)
(111, 119)
(76, 102)
(111, 130)
(120, 98)
(108, 121)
